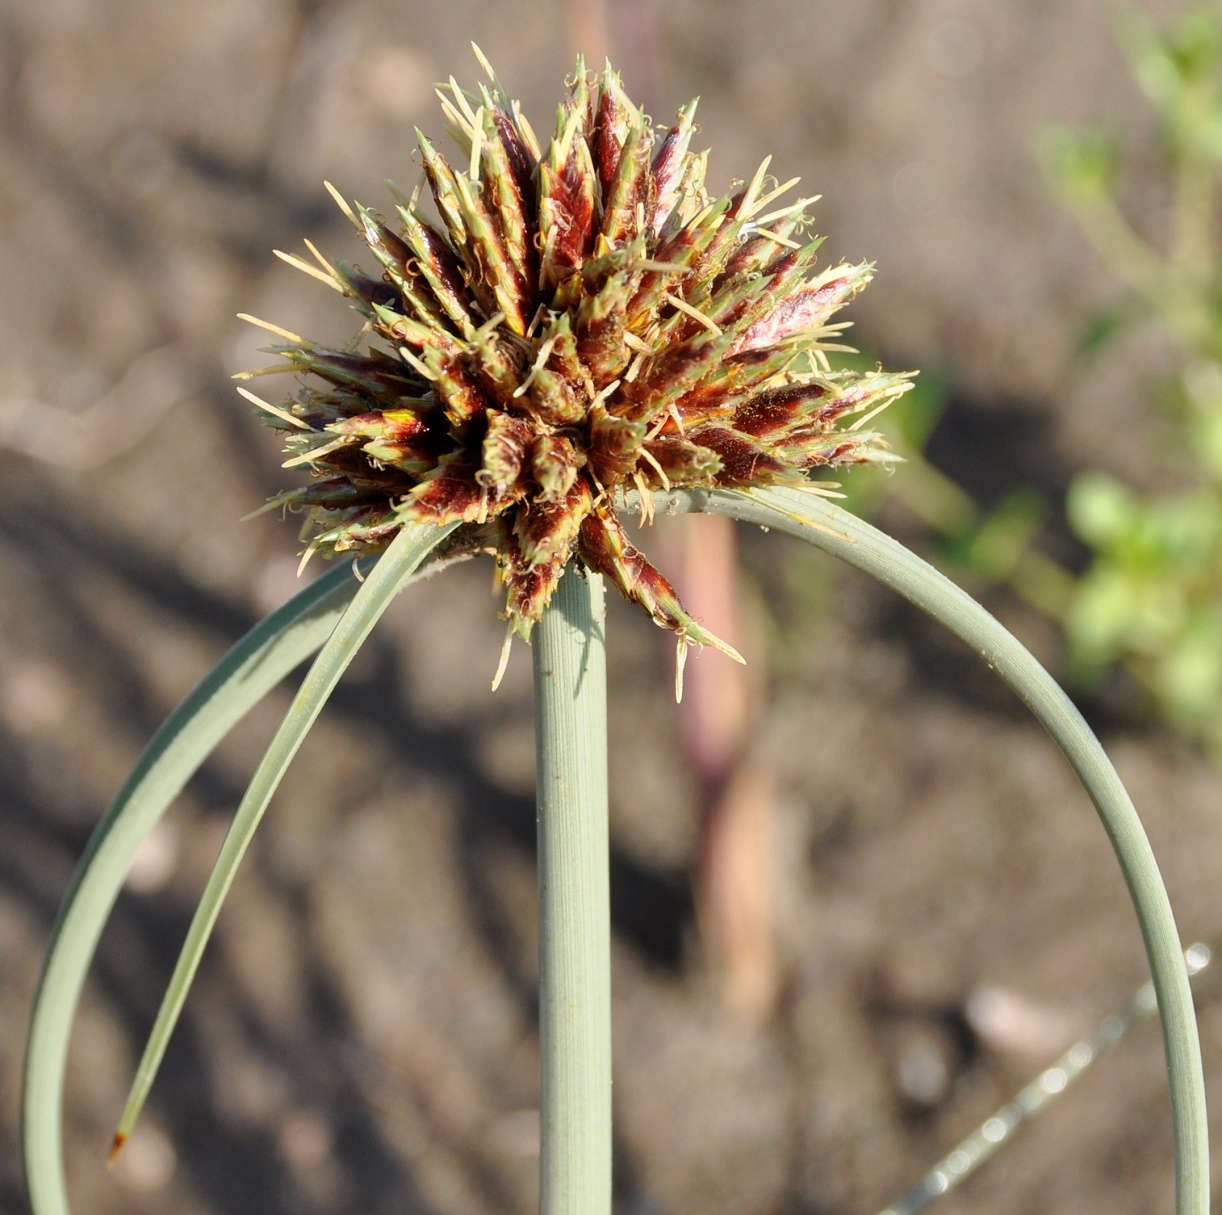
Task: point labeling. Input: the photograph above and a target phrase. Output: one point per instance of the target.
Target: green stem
(818, 522)
(574, 900)
(1170, 289)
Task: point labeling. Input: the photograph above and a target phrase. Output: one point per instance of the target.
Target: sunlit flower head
(579, 319)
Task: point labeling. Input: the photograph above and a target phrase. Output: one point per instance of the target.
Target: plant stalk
(570, 667)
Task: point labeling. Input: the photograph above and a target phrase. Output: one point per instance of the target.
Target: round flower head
(583, 319)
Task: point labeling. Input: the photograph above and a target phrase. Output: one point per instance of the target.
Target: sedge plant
(581, 335)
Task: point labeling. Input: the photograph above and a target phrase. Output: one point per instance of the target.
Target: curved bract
(242, 678)
(338, 615)
(815, 520)
(246, 674)
(408, 549)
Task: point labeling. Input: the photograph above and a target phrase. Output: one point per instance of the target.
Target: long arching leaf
(250, 670)
(812, 518)
(242, 678)
(409, 548)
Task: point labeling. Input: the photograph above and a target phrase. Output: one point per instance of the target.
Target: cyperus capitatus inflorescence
(583, 319)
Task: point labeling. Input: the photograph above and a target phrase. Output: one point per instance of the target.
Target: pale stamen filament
(545, 352)
(459, 127)
(460, 96)
(680, 663)
(477, 144)
(317, 453)
(528, 132)
(322, 261)
(695, 314)
(274, 410)
(417, 364)
(284, 333)
(305, 557)
(761, 203)
(274, 369)
(783, 212)
(504, 661)
(646, 493)
(865, 417)
(752, 192)
(604, 393)
(778, 239)
(659, 470)
(306, 268)
(342, 203)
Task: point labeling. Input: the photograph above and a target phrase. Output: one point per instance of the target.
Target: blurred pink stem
(587, 30)
(736, 794)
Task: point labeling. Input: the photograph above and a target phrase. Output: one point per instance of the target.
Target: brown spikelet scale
(583, 320)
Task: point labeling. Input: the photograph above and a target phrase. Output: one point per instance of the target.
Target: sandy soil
(361, 1037)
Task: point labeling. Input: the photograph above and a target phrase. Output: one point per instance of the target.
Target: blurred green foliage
(1152, 596)
(990, 546)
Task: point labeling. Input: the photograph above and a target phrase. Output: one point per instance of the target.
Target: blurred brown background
(361, 1037)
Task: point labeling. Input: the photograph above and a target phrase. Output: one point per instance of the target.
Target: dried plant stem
(820, 523)
(1000, 1127)
(574, 899)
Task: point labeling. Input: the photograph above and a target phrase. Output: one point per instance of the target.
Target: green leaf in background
(999, 540)
(1180, 70)
(1108, 324)
(1100, 508)
(1190, 677)
(1083, 166)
